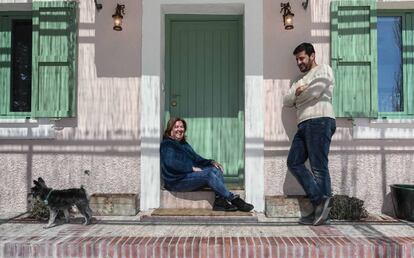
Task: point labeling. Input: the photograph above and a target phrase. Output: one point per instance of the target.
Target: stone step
(202, 199)
(287, 206)
(114, 204)
(199, 215)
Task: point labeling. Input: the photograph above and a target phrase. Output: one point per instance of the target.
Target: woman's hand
(217, 165)
(196, 169)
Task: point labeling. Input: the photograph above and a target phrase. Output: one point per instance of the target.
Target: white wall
(360, 168)
(104, 138)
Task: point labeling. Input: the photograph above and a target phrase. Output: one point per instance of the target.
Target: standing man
(311, 95)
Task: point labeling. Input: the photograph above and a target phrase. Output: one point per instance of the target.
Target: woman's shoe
(241, 204)
(221, 204)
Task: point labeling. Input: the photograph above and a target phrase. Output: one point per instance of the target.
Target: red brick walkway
(208, 247)
(247, 241)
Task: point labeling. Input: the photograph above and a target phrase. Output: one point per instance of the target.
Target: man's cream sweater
(316, 100)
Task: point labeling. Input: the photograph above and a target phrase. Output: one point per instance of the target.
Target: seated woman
(184, 170)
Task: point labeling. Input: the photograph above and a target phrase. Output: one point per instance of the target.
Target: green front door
(204, 85)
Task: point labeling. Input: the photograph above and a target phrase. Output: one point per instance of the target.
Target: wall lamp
(287, 16)
(305, 4)
(98, 4)
(117, 16)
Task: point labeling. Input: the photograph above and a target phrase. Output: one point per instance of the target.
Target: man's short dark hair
(307, 47)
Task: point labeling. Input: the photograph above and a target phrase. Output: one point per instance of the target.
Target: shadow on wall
(279, 62)
(362, 168)
(290, 185)
(103, 138)
(387, 206)
(118, 53)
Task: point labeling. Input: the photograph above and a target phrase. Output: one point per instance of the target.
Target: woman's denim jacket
(178, 159)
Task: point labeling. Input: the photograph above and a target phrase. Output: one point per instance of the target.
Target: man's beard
(304, 68)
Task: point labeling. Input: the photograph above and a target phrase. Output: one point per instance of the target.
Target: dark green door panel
(204, 85)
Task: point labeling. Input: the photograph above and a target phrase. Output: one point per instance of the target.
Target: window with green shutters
(372, 56)
(38, 51)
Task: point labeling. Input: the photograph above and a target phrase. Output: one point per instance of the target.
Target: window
(373, 60)
(38, 52)
(21, 66)
(390, 82)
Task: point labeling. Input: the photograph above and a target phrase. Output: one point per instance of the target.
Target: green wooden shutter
(5, 64)
(354, 58)
(54, 59)
(408, 60)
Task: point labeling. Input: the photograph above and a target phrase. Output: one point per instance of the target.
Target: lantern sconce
(305, 4)
(287, 16)
(117, 16)
(98, 4)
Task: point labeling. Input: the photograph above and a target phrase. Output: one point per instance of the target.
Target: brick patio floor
(129, 237)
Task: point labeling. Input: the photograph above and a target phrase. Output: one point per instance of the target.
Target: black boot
(221, 204)
(241, 204)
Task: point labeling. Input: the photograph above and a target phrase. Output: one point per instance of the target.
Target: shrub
(39, 210)
(347, 208)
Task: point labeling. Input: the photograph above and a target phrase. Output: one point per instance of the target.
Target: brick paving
(129, 237)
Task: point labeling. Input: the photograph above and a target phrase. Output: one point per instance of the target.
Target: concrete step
(287, 206)
(202, 199)
(114, 204)
(198, 215)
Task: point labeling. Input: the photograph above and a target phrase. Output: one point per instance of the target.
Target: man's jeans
(209, 176)
(312, 140)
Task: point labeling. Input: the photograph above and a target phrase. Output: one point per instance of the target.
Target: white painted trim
(41, 128)
(203, 9)
(390, 5)
(365, 128)
(152, 92)
(7, 5)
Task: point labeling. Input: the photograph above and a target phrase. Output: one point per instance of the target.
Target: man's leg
(318, 139)
(296, 163)
(318, 142)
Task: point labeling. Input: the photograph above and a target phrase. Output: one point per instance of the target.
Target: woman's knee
(212, 176)
(216, 171)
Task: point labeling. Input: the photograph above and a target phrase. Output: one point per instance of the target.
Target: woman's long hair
(170, 126)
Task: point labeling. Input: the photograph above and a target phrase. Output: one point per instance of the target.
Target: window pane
(390, 83)
(21, 90)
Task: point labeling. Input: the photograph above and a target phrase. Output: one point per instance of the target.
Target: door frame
(234, 182)
(152, 90)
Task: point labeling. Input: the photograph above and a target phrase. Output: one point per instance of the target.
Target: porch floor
(276, 237)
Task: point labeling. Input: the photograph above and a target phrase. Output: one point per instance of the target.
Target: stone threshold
(199, 215)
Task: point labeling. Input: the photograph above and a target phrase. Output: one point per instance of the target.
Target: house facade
(84, 104)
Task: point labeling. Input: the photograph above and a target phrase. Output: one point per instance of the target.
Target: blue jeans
(209, 176)
(312, 140)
